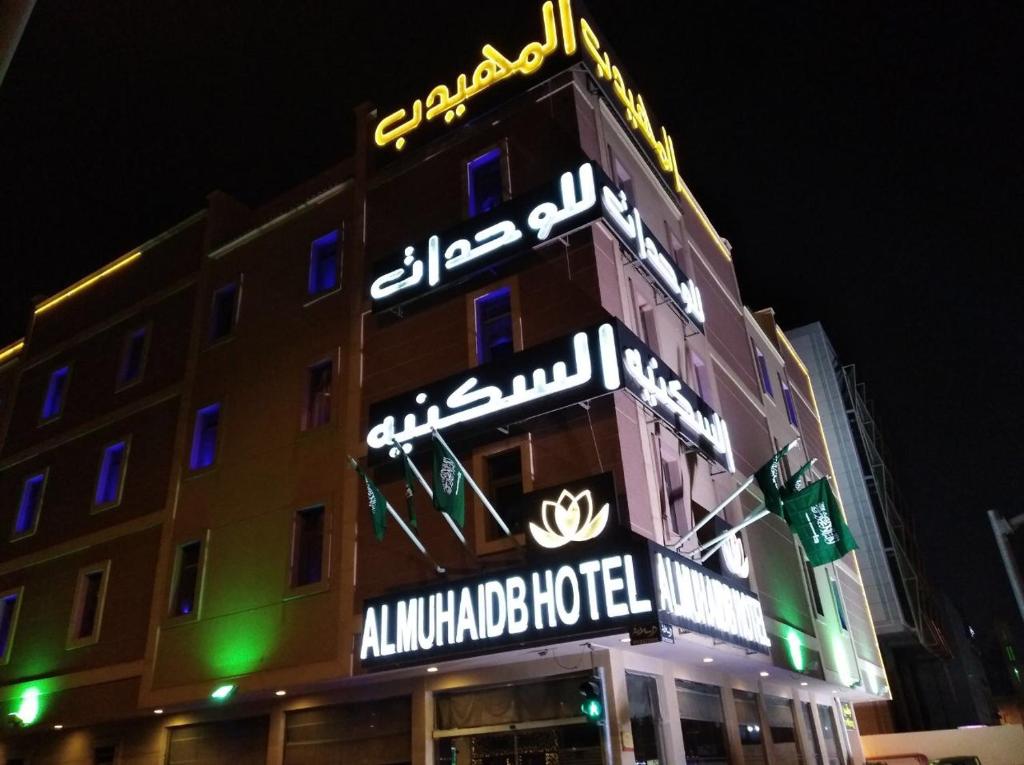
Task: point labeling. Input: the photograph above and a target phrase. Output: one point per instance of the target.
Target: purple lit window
(324, 263)
(483, 182)
(53, 403)
(494, 325)
(108, 483)
(762, 371)
(133, 358)
(223, 312)
(204, 437)
(28, 508)
(8, 607)
(787, 396)
(308, 546)
(187, 581)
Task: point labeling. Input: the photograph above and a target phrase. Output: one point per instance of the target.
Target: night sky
(864, 159)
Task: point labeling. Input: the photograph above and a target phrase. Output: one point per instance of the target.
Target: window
(622, 177)
(505, 490)
(673, 497)
(812, 588)
(483, 182)
(204, 437)
(837, 598)
(224, 312)
(762, 370)
(104, 755)
(29, 505)
(787, 397)
(53, 402)
(830, 732)
(809, 717)
(644, 717)
(88, 607)
(318, 395)
(494, 325)
(308, 546)
(782, 722)
(186, 579)
(703, 723)
(110, 481)
(325, 264)
(10, 603)
(751, 738)
(701, 381)
(133, 358)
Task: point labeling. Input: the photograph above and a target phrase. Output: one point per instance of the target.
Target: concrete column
(618, 728)
(766, 733)
(275, 737)
(422, 733)
(732, 726)
(804, 733)
(671, 731)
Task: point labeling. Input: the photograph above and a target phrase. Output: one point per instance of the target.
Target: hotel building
(191, 572)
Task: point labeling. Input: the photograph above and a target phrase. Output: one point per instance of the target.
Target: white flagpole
(721, 506)
(710, 548)
(408, 532)
(430, 493)
(472, 484)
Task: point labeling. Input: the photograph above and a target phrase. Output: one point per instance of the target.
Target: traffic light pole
(1002, 529)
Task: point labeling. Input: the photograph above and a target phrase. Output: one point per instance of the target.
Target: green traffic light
(592, 709)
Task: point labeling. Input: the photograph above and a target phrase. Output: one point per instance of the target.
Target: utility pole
(1002, 529)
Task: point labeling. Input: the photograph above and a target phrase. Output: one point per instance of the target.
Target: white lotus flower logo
(570, 519)
(735, 557)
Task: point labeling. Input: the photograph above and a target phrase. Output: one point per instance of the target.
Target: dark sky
(864, 159)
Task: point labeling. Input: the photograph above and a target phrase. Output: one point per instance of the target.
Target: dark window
(622, 178)
(325, 263)
(762, 371)
(108, 483)
(308, 546)
(104, 755)
(751, 738)
(30, 504)
(812, 586)
(318, 395)
(830, 732)
(703, 723)
(700, 376)
(809, 717)
(644, 717)
(783, 726)
(494, 325)
(838, 599)
(8, 610)
(186, 583)
(204, 437)
(53, 403)
(133, 358)
(673, 500)
(90, 591)
(223, 312)
(787, 396)
(505, 490)
(483, 182)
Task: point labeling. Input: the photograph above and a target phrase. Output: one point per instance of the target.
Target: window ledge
(306, 590)
(321, 296)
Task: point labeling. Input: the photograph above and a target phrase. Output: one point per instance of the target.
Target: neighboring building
(605, 395)
(934, 668)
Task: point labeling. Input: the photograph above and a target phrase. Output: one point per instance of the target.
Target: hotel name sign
(563, 34)
(578, 197)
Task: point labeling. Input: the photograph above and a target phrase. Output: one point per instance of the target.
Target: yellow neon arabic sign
(11, 350)
(496, 67)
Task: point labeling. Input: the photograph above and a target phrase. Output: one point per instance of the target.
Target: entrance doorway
(573, 744)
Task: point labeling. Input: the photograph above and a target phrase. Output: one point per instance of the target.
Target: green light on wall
(223, 692)
(796, 651)
(846, 676)
(29, 708)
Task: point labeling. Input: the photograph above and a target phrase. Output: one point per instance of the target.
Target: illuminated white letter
(494, 606)
(589, 570)
(445, 617)
(467, 619)
(406, 627)
(612, 584)
(636, 606)
(543, 598)
(426, 620)
(571, 614)
(518, 613)
(386, 648)
(370, 642)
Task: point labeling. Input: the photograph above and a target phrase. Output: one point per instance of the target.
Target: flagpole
(408, 532)
(472, 484)
(430, 493)
(714, 513)
(758, 513)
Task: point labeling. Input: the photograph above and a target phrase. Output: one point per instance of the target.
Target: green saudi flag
(449, 484)
(813, 514)
(378, 504)
(769, 478)
(410, 495)
(797, 481)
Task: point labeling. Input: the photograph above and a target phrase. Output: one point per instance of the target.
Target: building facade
(933, 663)
(194, 573)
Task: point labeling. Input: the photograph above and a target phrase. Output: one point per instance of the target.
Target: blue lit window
(110, 479)
(787, 396)
(28, 507)
(325, 263)
(186, 580)
(53, 402)
(762, 371)
(8, 615)
(483, 182)
(223, 312)
(494, 325)
(204, 437)
(133, 358)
